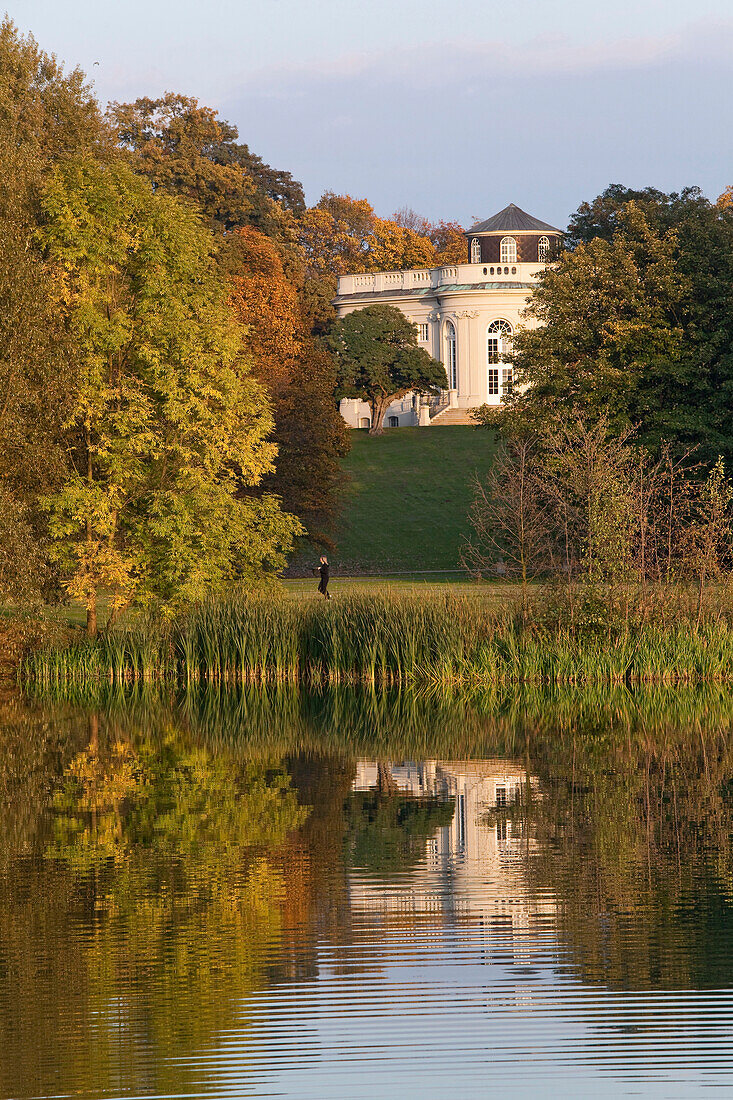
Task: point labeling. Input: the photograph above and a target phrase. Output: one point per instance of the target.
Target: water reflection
(345, 894)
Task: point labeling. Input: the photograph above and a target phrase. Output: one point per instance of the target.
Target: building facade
(466, 316)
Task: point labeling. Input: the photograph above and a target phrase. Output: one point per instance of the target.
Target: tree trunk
(92, 614)
(378, 408)
(700, 595)
(115, 614)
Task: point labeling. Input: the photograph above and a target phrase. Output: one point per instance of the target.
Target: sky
(452, 107)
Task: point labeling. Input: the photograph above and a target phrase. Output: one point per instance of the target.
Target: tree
(707, 541)
(510, 517)
(447, 238)
(190, 152)
(603, 217)
(45, 112)
(378, 360)
(607, 337)
(299, 375)
(167, 426)
(311, 438)
(341, 235)
(266, 304)
(46, 116)
(637, 320)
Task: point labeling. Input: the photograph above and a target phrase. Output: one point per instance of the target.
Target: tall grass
(383, 639)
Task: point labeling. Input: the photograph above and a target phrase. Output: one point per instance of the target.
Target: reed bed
(381, 640)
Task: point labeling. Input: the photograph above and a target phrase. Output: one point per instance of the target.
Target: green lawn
(406, 504)
(497, 594)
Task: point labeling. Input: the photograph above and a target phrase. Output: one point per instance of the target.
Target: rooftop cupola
(512, 236)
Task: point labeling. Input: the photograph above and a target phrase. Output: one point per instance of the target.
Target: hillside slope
(406, 504)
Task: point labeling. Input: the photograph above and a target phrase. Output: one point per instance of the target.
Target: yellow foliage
(725, 201)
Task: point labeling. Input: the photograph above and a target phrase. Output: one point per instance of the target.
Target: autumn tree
(379, 361)
(46, 116)
(341, 235)
(447, 238)
(298, 373)
(266, 304)
(45, 113)
(449, 241)
(189, 151)
(166, 424)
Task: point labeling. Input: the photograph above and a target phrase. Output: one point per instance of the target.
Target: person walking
(324, 574)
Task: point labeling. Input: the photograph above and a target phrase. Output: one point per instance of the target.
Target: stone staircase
(453, 416)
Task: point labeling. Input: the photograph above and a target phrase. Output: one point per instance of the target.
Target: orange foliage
(267, 304)
(343, 236)
(450, 243)
(725, 201)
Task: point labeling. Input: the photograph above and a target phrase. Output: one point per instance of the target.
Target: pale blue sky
(455, 108)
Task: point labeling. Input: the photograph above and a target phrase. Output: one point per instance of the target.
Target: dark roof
(512, 220)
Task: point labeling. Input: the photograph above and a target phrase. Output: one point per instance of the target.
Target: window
(475, 251)
(508, 250)
(499, 341)
(543, 249)
(493, 382)
(394, 421)
(423, 332)
(501, 796)
(507, 376)
(451, 359)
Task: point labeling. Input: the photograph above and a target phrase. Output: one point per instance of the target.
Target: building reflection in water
(473, 869)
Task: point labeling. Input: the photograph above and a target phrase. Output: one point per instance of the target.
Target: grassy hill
(406, 503)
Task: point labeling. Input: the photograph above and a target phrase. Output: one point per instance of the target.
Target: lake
(360, 894)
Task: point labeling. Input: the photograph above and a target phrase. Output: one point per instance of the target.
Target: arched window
(543, 249)
(508, 250)
(498, 346)
(451, 358)
(475, 251)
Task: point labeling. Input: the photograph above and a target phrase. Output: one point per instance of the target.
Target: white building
(475, 866)
(466, 315)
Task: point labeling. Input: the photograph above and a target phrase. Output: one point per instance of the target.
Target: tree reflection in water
(162, 860)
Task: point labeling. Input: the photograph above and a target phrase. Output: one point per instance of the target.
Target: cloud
(462, 129)
(546, 55)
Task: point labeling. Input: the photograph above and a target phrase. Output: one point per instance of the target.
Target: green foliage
(638, 322)
(45, 116)
(607, 316)
(311, 438)
(188, 151)
(167, 427)
(387, 832)
(574, 634)
(378, 359)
